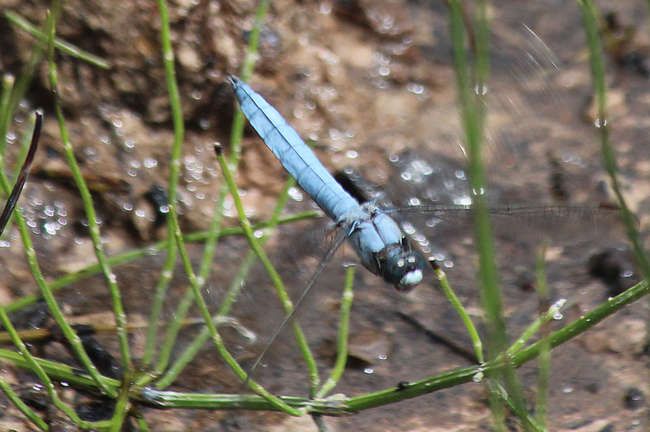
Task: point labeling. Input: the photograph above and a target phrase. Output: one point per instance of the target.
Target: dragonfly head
(404, 270)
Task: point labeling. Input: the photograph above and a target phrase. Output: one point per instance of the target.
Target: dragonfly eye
(404, 270)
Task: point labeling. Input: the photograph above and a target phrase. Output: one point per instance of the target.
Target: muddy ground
(371, 84)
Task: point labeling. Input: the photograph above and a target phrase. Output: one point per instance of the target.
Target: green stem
(467, 320)
(218, 341)
(287, 304)
(93, 225)
(344, 330)
(235, 287)
(8, 81)
(133, 255)
(599, 85)
(544, 362)
(22, 407)
(20, 88)
(63, 46)
(342, 405)
(172, 182)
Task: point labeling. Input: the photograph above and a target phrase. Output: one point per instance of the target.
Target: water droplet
(415, 88)
(481, 90)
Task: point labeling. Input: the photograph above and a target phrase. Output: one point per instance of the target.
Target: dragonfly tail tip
(233, 80)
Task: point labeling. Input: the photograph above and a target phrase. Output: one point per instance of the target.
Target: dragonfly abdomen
(296, 157)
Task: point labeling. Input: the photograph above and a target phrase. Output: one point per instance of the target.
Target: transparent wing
(339, 238)
(559, 225)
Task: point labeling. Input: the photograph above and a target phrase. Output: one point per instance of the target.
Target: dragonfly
(370, 228)
(381, 246)
(379, 242)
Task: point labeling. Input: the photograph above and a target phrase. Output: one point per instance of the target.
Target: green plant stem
(235, 287)
(19, 89)
(172, 182)
(223, 351)
(215, 224)
(344, 330)
(544, 362)
(93, 225)
(592, 30)
(133, 255)
(22, 407)
(8, 81)
(529, 422)
(287, 304)
(58, 44)
(536, 325)
(249, 64)
(122, 403)
(100, 381)
(140, 420)
(467, 320)
(471, 85)
(35, 367)
(345, 406)
(8, 326)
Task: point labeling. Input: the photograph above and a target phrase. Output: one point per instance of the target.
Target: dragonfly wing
(339, 239)
(435, 193)
(559, 225)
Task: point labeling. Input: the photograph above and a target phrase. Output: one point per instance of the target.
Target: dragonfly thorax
(382, 247)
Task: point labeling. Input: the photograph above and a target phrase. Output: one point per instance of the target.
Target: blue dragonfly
(376, 238)
(379, 242)
(369, 228)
